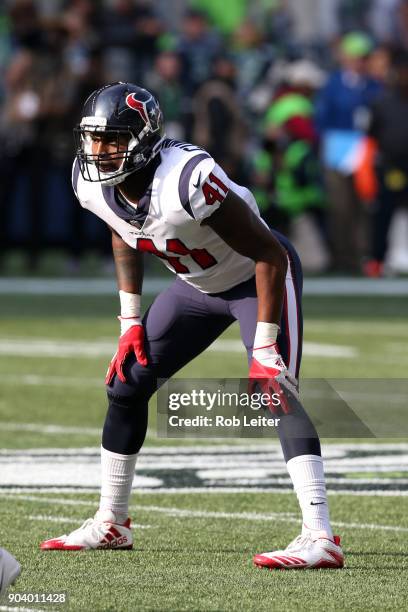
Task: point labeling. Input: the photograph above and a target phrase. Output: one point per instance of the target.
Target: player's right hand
(131, 341)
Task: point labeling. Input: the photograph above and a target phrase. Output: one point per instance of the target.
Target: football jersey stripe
(75, 176)
(293, 324)
(184, 181)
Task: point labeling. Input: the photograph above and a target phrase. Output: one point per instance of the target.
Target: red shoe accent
(277, 562)
(114, 532)
(373, 268)
(58, 545)
(324, 564)
(338, 558)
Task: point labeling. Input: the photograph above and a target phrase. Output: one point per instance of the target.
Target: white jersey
(188, 186)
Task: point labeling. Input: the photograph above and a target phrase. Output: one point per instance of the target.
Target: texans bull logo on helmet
(151, 117)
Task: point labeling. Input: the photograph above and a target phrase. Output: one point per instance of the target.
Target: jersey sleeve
(203, 187)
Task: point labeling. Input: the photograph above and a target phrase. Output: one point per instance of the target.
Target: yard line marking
(62, 519)
(43, 347)
(349, 328)
(17, 492)
(16, 609)
(36, 380)
(329, 450)
(246, 516)
(310, 349)
(54, 519)
(50, 429)
(62, 348)
(312, 286)
(218, 468)
(75, 287)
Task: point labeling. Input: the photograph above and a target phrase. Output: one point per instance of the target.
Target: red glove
(269, 374)
(132, 341)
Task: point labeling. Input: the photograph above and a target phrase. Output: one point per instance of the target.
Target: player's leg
(180, 324)
(298, 436)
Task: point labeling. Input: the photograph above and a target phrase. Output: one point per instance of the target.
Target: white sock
(117, 478)
(307, 474)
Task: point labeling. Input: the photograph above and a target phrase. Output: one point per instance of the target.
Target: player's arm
(244, 232)
(129, 274)
(128, 265)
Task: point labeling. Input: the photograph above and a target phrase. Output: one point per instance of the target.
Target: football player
(173, 200)
(9, 570)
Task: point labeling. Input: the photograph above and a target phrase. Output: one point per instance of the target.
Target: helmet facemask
(135, 154)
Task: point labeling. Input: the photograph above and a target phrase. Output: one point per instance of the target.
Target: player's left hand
(270, 375)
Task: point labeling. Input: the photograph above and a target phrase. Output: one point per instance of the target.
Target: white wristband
(266, 334)
(129, 305)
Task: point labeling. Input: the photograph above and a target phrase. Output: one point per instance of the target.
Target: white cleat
(10, 570)
(304, 553)
(102, 531)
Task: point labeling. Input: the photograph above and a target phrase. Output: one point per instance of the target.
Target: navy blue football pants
(180, 324)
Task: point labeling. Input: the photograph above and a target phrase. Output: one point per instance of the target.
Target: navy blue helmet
(120, 113)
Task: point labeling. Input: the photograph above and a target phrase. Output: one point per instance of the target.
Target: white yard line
(51, 429)
(46, 518)
(89, 286)
(42, 347)
(376, 469)
(53, 519)
(19, 492)
(397, 329)
(17, 609)
(36, 380)
(246, 516)
(329, 450)
(310, 349)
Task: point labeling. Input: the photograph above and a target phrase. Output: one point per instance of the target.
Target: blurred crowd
(303, 101)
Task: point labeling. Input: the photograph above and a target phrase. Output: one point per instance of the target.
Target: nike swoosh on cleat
(196, 185)
(317, 503)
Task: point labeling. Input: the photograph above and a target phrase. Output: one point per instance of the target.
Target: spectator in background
(389, 129)
(198, 46)
(379, 63)
(166, 83)
(313, 23)
(342, 111)
(400, 33)
(278, 23)
(219, 125)
(21, 119)
(353, 15)
(288, 166)
(252, 56)
(5, 46)
(81, 21)
(130, 31)
(382, 19)
(302, 77)
(84, 233)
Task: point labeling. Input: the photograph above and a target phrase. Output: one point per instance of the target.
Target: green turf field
(193, 548)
